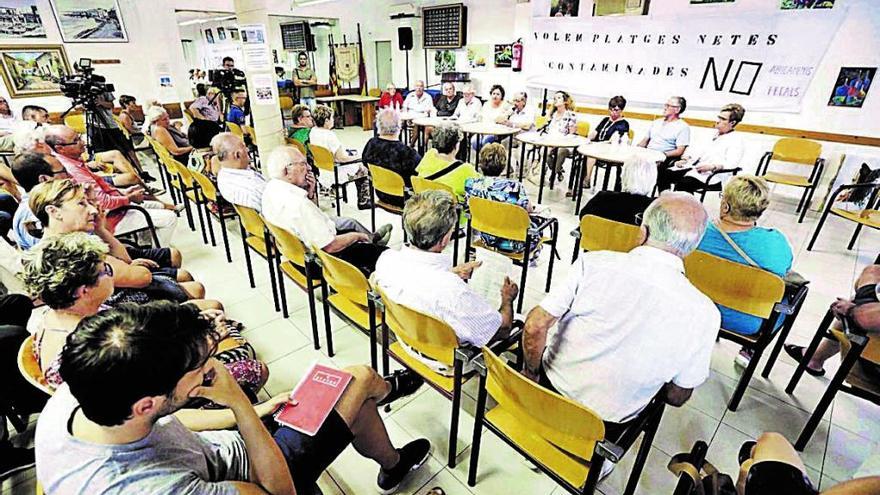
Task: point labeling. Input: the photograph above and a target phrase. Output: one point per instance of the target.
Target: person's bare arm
(861, 486)
(677, 396)
(117, 249)
(342, 156)
(644, 143)
(342, 241)
(677, 152)
(268, 468)
(509, 291)
(538, 323)
(126, 276)
(223, 419)
(164, 137)
(196, 113)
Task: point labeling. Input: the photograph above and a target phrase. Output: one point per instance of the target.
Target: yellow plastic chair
(295, 260)
(188, 116)
(210, 194)
(235, 129)
(352, 297)
(434, 340)
(325, 161)
(748, 290)
(583, 128)
(509, 221)
(868, 216)
(563, 438)
(541, 121)
(390, 183)
(30, 368)
(298, 145)
(181, 180)
(76, 121)
(600, 234)
(375, 92)
(797, 151)
(255, 236)
(285, 103)
(420, 184)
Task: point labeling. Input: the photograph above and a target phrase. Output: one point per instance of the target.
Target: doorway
(383, 64)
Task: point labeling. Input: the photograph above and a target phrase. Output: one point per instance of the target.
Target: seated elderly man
(387, 151)
(470, 107)
(430, 219)
(694, 171)
(237, 181)
(630, 324)
(669, 135)
(159, 354)
(286, 204)
(67, 147)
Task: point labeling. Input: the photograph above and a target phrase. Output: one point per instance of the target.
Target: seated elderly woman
(439, 163)
(169, 136)
(736, 236)
(637, 181)
(493, 161)
(62, 207)
(347, 160)
(387, 151)
(72, 275)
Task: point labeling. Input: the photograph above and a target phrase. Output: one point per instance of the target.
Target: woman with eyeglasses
(612, 126)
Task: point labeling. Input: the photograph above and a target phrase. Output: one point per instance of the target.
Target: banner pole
(544, 104)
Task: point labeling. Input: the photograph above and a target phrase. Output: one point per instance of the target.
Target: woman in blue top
(743, 200)
(611, 127)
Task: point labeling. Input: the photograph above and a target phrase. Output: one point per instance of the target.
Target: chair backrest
(569, 426)
(426, 334)
(630, 134)
(177, 168)
(583, 128)
(285, 102)
(208, 188)
(375, 92)
(323, 157)
(420, 184)
(504, 220)
(235, 129)
(251, 220)
(387, 181)
(298, 145)
(290, 246)
(76, 121)
(601, 234)
(122, 127)
(188, 115)
(541, 121)
(30, 368)
(739, 287)
(797, 150)
(249, 130)
(344, 278)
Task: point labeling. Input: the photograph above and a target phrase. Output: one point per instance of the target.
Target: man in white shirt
(237, 182)
(421, 277)
(521, 115)
(669, 135)
(724, 152)
(630, 324)
(286, 204)
(469, 108)
(418, 102)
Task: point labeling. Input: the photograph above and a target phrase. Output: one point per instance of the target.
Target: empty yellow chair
(76, 121)
(600, 234)
(795, 151)
(235, 129)
(864, 194)
(211, 194)
(583, 128)
(387, 182)
(255, 236)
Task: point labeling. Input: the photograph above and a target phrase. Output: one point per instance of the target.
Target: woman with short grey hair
(440, 163)
(387, 151)
(638, 177)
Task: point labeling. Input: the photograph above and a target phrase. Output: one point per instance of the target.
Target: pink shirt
(109, 198)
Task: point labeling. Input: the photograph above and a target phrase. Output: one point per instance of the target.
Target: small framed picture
(209, 36)
(221, 34)
(851, 87)
(33, 70)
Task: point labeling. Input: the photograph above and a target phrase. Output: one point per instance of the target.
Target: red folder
(317, 394)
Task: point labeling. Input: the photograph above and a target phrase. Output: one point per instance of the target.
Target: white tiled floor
(848, 434)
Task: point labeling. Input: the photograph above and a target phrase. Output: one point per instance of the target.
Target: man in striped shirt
(238, 183)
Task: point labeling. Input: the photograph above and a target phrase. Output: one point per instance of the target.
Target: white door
(383, 64)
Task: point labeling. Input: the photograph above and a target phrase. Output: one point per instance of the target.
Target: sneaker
(743, 358)
(147, 177)
(383, 235)
(14, 460)
(403, 383)
(412, 456)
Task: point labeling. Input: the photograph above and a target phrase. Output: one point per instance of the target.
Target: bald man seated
(629, 324)
(238, 183)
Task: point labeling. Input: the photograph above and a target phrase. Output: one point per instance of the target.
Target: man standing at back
(630, 325)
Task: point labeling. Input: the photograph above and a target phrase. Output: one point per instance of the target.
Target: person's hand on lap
(466, 270)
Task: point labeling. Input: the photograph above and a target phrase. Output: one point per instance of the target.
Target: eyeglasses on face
(615, 109)
(75, 140)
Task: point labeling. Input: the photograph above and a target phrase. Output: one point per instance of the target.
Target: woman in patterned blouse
(563, 121)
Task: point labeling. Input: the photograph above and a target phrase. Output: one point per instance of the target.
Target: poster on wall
(620, 7)
(20, 19)
(854, 169)
(254, 34)
(478, 57)
(209, 36)
(221, 34)
(33, 70)
(852, 86)
(564, 8)
(444, 61)
(233, 34)
(264, 86)
(504, 55)
(763, 62)
(806, 4)
(89, 20)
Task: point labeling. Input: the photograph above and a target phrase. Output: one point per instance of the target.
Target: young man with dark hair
(126, 370)
(35, 113)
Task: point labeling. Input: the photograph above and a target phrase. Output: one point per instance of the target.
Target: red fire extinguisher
(516, 63)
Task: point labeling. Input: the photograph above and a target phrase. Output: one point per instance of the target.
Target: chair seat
(571, 469)
(389, 207)
(360, 315)
(871, 218)
(296, 274)
(257, 243)
(862, 381)
(445, 383)
(477, 242)
(788, 179)
(740, 338)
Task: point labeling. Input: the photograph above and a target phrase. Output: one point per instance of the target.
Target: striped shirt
(241, 187)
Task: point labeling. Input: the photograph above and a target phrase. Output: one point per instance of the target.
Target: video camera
(85, 85)
(227, 80)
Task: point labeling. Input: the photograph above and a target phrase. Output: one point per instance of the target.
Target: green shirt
(301, 134)
(432, 162)
(305, 74)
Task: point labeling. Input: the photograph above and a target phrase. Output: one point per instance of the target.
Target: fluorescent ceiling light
(205, 21)
(306, 3)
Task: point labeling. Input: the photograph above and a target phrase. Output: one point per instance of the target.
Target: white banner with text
(764, 62)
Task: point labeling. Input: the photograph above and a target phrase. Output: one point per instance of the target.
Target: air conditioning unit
(403, 11)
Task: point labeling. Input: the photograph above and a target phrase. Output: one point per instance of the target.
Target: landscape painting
(33, 70)
(20, 19)
(89, 20)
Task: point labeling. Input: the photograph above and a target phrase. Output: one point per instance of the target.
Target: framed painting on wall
(89, 20)
(233, 33)
(851, 87)
(20, 19)
(209, 36)
(620, 7)
(564, 8)
(33, 70)
(806, 4)
(221, 34)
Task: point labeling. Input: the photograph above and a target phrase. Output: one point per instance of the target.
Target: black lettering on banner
(675, 39)
(745, 68)
(711, 65)
(771, 40)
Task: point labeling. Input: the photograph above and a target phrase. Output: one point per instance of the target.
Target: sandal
(435, 491)
(796, 352)
(745, 451)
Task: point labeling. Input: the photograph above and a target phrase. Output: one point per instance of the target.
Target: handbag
(445, 170)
